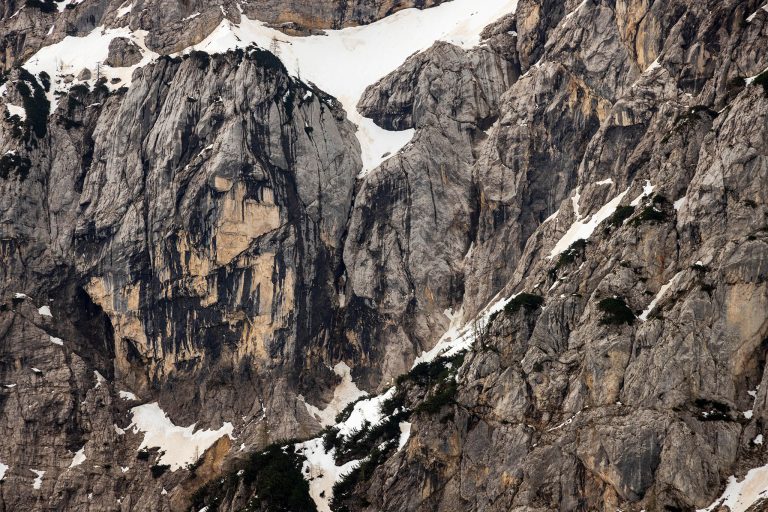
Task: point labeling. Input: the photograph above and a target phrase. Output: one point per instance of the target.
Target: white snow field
(341, 62)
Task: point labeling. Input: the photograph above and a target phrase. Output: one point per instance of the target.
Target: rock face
(203, 239)
(123, 53)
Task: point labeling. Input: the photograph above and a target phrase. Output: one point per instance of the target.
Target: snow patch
(15, 110)
(37, 482)
(647, 191)
(3, 469)
(181, 445)
(45, 311)
(57, 341)
(70, 55)
(405, 433)
(680, 203)
(644, 315)
(79, 458)
(127, 395)
(99, 379)
(123, 10)
(583, 230)
(458, 337)
(321, 471)
(740, 495)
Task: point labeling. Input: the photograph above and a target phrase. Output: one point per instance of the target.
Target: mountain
(474, 255)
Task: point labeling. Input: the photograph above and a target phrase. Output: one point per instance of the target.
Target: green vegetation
(343, 490)
(528, 301)
(272, 477)
(36, 105)
(616, 312)
(621, 214)
(569, 255)
(443, 394)
(159, 469)
(654, 212)
(16, 164)
(43, 5)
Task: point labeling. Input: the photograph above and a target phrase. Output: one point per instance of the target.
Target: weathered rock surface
(202, 240)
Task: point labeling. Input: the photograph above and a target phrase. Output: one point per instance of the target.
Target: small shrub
(42, 5)
(445, 394)
(621, 214)
(650, 214)
(569, 255)
(528, 301)
(159, 469)
(16, 164)
(266, 59)
(616, 312)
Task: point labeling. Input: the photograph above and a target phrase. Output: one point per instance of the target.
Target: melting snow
(321, 471)
(758, 439)
(680, 203)
(57, 341)
(45, 311)
(582, 230)
(20, 296)
(127, 395)
(644, 315)
(79, 458)
(72, 54)
(99, 379)
(405, 433)
(15, 110)
(181, 445)
(345, 393)
(647, 191)
(460, 337)
(740, 495)
(37, 482)
(345, 62)
(124, 9)
(3, 470)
